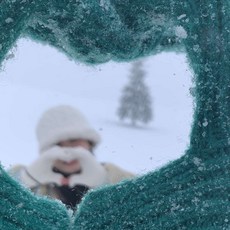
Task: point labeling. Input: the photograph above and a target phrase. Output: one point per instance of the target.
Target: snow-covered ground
(39, 77)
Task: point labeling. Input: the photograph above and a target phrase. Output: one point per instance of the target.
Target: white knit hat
(64, 123)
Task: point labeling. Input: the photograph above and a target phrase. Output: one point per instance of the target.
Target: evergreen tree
(135, 102)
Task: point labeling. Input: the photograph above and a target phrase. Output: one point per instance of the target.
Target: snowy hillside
(39, 77)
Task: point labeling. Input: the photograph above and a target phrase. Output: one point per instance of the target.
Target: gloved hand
(41, 170)
(93, 173)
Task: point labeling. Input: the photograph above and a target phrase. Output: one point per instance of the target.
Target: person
(67, 166)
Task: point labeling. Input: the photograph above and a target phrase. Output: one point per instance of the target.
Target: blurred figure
(67, 167)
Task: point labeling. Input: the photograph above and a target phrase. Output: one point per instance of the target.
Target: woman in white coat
(67, 167)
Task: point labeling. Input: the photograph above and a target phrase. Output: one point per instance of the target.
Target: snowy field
(39, 77)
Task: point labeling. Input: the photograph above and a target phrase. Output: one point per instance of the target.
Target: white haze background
(39, 77)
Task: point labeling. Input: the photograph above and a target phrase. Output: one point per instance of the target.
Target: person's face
(74, 165)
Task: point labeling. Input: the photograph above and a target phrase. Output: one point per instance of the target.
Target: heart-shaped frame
(191, 192)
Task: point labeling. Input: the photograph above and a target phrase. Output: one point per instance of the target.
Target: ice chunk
(180, 32)
(9, 20)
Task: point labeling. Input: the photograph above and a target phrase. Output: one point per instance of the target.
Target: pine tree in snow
(135, 102)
